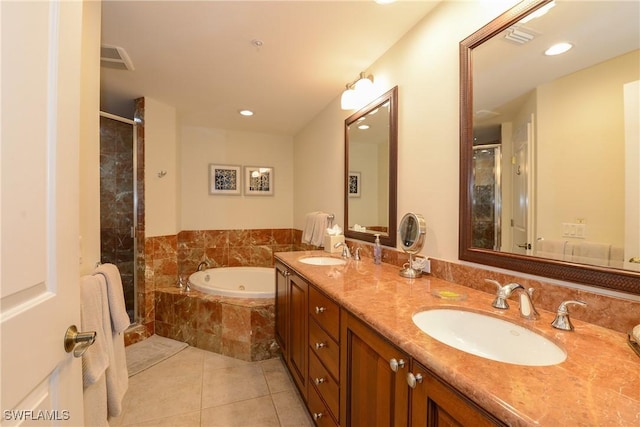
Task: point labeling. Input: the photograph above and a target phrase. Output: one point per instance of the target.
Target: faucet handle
(495, 282)
(562, 320)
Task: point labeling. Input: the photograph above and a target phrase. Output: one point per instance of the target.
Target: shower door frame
(134, 229)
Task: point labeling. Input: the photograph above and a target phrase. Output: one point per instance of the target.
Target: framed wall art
(258, 181)
(354, 184)
(224, 179)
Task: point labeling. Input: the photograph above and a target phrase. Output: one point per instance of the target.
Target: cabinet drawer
(319, 411)
(325, 348)
(324, 383)
(325, 312)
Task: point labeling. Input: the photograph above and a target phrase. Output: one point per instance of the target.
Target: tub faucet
(562, 320)
(503, 293)
(345, 249)
(204, 264)
(527, 309)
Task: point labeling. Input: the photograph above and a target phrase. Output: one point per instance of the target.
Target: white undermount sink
(489, 337)
(322, 260)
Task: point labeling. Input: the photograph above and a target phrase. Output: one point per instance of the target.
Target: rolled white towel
(635, 333)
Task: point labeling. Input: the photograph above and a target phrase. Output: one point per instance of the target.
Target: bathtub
(240, 282)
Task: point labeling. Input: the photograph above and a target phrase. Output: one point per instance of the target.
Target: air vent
(519, 34)
(115, 57)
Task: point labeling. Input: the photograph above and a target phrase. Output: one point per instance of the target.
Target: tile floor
(200, 388)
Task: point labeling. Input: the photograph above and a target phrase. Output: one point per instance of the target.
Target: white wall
(201, 146)
(572, 133)
(424, 65)
(90, 138)
(161, 198)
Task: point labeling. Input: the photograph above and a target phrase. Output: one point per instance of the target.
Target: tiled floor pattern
(200, 388)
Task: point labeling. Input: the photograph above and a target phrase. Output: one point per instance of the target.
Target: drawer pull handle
(320, 310)
(396, 364)
(319, 381)
(317, 415)
(320, 345)
(413, 380)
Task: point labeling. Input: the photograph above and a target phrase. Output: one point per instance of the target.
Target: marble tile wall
(240, 328)
(116, 202)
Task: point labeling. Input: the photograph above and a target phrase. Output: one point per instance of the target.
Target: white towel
(309, 223)
(116, 374)
(94, 398)
(119, 317)
(592, 253)
(553, 249)
(94, 316)
(320, 226)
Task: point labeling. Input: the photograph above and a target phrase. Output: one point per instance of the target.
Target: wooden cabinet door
(282, 321)
(298, 332)
(436, 404)
(373, 394)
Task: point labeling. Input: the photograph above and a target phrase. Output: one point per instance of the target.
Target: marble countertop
(597, 385)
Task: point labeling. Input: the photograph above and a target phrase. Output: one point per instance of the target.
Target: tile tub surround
(235, 327)
(598, 384)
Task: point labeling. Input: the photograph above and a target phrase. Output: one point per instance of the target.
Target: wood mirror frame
(602, 277)
(389, 238)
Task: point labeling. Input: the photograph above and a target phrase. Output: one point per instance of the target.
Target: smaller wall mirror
(412, 231)
(371, 147)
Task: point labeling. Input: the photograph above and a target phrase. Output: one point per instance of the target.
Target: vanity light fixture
(558, 49)
(357, 93)
(245, 112)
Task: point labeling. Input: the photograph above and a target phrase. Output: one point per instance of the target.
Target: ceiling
(198, 56)
(505, 72)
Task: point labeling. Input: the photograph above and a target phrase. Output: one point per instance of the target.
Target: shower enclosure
(487, 202)
(118, 201)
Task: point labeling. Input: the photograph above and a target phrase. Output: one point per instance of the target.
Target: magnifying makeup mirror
(412, 231)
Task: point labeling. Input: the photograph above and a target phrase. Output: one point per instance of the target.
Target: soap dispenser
(377, 251)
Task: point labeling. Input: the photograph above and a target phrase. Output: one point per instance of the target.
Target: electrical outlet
(427, 267)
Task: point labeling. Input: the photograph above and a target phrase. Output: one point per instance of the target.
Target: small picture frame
(224, 179)
(354, 184)
(258, 181)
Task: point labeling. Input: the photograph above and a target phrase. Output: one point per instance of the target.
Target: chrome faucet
(527, 309)
(356, 254)
(345, 249)
(204, 263)
(562, 320)
(503, 293)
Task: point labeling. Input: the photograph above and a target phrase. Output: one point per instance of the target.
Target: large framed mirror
(560, 198)
(371, 159)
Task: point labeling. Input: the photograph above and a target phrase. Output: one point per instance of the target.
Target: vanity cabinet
(291, 323)
(434, 403)
(324, 358)
(350, 375)
(374, 387)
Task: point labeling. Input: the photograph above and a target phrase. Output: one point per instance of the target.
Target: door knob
(78, 342)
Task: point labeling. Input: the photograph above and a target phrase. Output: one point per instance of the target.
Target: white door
(522, 177)
(41, 384)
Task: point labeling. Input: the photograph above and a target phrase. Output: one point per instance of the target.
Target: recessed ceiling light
(384, 1)
(246, 112)
(363, 127)
(558, 48)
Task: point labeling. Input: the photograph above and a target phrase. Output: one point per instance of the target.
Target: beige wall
(90, 138)
(202, 146)
(424, 65)
(573, 133)
(161, 198)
